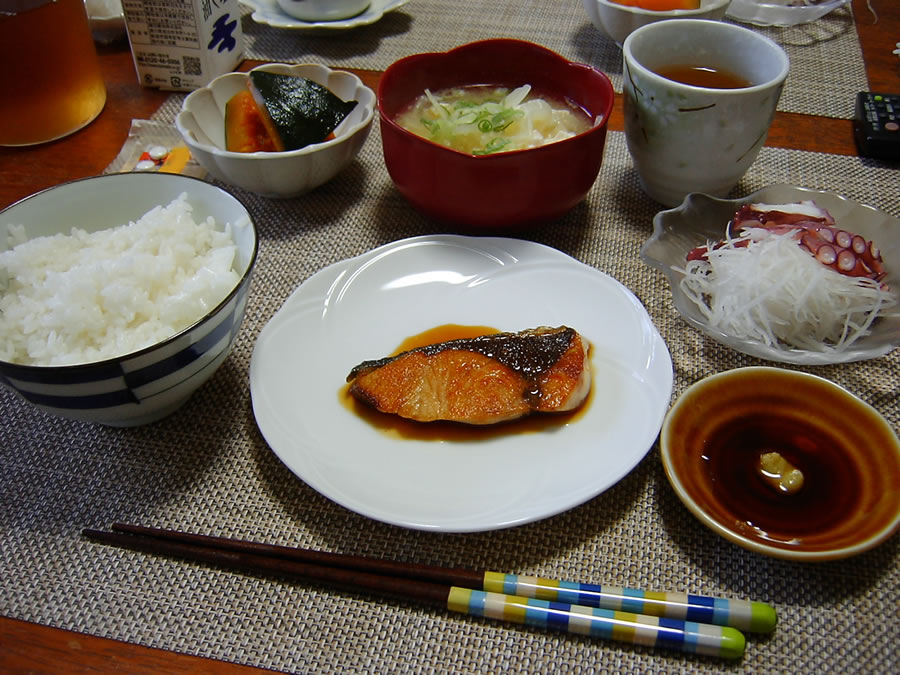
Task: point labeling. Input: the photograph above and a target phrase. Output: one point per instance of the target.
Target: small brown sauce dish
(784, 463)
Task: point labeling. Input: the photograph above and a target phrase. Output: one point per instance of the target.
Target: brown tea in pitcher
(703, 76)
(51, 79)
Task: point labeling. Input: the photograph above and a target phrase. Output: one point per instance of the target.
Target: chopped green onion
(495, 145)
(503, 119)
(432, 125)
(494, 120)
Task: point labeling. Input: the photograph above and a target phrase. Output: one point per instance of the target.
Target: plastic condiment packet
(155, 146)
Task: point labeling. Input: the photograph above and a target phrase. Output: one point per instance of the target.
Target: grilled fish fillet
(482, 380)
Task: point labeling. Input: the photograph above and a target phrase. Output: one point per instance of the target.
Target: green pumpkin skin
(302, 112)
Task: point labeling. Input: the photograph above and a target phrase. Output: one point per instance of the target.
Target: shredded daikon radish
(762, 286)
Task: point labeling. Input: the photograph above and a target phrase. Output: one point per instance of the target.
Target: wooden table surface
(32, 648)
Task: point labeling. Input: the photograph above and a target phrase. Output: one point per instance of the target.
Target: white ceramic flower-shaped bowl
(275, 174)
(618, 21)
(701, 219)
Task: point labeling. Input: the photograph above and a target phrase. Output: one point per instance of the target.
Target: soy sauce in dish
(830, 489)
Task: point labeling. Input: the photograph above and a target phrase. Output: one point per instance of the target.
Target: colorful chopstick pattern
(647, 631)
(756, 617)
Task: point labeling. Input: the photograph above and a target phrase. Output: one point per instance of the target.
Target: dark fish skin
(482, 380)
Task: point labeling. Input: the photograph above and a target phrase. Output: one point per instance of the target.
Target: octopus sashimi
(483, 380)
(815, 231)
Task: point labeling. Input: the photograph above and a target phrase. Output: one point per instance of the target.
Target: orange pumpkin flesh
(246, 129)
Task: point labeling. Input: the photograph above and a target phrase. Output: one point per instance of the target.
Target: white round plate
(363, 308)
(268, 12)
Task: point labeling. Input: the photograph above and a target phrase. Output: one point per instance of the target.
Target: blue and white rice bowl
(148, 384)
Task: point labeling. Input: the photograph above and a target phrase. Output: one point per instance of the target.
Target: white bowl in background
(617, 21)
(268, 13)
(275, 174)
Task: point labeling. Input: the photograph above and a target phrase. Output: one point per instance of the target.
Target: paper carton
(181, 45)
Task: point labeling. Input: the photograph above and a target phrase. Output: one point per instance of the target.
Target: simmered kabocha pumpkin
(245, 128)
(282, 112)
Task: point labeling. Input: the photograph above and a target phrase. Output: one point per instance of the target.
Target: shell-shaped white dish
(701, 218)
(781, 13)
(267, 12)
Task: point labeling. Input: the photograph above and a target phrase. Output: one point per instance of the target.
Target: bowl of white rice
(121, 294)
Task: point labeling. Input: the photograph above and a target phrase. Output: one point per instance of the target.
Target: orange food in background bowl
(660, 5)
(618, 18)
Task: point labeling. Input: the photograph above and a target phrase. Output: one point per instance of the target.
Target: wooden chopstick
(456, 589)
(442, 575)
(255, 559)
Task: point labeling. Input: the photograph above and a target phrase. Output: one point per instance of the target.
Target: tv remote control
(877, 125)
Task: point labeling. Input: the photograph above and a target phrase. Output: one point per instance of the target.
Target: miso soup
(482, 119)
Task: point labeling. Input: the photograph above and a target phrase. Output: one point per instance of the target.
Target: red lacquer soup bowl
(519, 188)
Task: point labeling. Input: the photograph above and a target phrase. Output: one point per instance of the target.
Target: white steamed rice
(80, 297)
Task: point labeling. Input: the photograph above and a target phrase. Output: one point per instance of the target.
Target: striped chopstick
(533, 601)
(745, 615)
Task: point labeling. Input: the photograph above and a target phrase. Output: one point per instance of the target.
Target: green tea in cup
(703, 76)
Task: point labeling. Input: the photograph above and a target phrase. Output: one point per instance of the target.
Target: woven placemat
(207, 469)
(827, 68)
